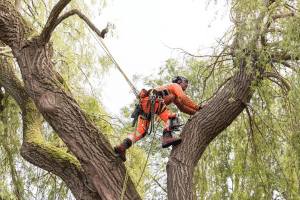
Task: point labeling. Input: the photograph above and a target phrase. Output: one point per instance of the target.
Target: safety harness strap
(161, 93)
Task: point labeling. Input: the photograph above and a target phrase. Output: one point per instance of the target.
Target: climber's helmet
(182, 81)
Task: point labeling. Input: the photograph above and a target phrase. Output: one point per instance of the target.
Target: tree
(255, 49)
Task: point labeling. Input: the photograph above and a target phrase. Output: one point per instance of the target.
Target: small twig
(272, 154)
(206, 78)
(283, 81)
(289, 7)
(256, 161)
(185, 52)
(218, 89)
(266, 122)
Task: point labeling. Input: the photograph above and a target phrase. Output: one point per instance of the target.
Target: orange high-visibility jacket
(173, 93)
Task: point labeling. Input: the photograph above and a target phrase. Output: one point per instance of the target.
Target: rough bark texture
(99, 174)
(201, 129)
(96, 172)
(34, 148)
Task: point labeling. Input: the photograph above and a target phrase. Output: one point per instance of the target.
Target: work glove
(202, 106)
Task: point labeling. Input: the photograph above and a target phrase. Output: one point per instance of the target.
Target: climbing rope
(146, 159)
(103, 46)
(119, 68)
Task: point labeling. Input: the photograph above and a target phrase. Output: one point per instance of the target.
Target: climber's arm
(184, 108)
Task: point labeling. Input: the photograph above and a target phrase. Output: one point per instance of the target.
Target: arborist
(155, 101)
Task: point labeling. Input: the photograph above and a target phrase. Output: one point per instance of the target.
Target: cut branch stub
(85, 19)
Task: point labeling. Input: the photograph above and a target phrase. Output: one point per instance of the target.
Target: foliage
(256, 157)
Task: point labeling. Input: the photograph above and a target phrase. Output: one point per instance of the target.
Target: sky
(146, 31)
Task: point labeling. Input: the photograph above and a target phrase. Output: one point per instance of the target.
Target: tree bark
(103, 172)
(34, 149)
(202, 128)
(96, 172)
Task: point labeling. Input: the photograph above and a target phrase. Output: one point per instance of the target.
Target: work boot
(121, 148)
(168, 139)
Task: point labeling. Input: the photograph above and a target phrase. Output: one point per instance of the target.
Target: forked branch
(50, 25)
(49, 29)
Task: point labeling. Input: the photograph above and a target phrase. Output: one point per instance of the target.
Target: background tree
(256, 52)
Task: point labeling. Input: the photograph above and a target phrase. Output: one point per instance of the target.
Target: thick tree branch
(204, 126)
(289, 66)
(54, 22)
(34, 148)
(289, 57)
(279, 56)
(103, 169)
(273, 30)
(52, 19)
(284, 15)
(284, 82)
(84, 18)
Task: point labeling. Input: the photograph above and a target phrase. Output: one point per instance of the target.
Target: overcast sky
(144, 27)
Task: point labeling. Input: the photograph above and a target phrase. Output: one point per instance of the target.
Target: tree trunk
(96, 172)
(103, 172)
(202, 128)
